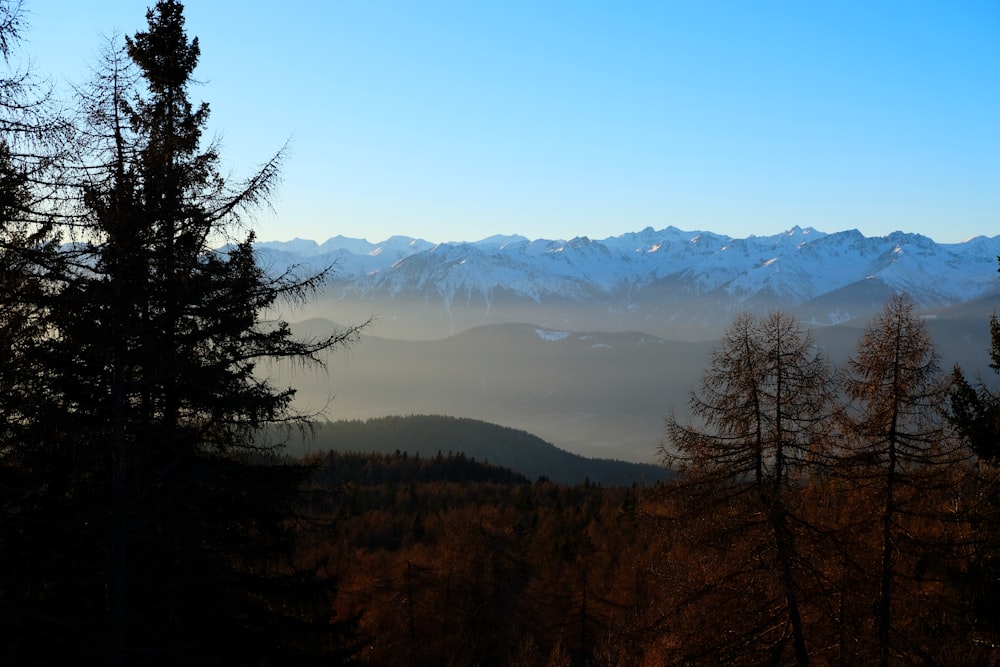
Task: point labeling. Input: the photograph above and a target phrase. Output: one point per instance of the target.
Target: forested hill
(430, 435)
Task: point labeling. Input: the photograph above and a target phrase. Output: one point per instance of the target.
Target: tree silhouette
(901, 443)
(32, 139)
(163, 532)
(764, 407)
(31, 142)
(974, 411)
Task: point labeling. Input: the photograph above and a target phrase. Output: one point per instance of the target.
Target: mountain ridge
(669, 282)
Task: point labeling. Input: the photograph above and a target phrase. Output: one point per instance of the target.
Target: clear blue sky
(459, 120)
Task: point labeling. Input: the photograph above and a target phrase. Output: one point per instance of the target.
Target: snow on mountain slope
(667, 274)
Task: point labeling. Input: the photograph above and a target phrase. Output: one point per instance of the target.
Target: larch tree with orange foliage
(763, 412)
(901, 448)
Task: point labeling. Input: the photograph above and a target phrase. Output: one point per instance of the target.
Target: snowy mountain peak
(653, 276)
(503, 240)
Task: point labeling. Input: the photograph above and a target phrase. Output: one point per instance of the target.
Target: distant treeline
(430, 435)
(338, 468)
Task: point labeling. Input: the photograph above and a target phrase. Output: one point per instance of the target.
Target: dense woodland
(148, 513)
(441, 561)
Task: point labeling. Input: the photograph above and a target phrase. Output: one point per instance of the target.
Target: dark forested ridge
(429, 435)
(337, 469)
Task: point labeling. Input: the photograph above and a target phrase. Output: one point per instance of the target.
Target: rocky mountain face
(677, 284)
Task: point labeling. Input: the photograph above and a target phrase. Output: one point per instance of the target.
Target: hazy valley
(588, 345)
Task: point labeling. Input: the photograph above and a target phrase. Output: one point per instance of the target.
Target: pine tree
(31, 136)
(975, 409)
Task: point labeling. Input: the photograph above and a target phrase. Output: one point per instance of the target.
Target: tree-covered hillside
(429, 435)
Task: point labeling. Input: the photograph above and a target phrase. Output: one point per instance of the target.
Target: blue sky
(459, 120)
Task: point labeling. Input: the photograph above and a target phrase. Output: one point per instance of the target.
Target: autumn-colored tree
(901, 448)
(764, 410)
(609, 576)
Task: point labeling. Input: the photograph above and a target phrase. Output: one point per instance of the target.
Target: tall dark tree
(974, 410)
(902, 448)
(764, 409)
(170, 539)
(31, 139)
(31, 136)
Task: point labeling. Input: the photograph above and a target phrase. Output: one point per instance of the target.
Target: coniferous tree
(31, 138)
(31, 268)
(764, 407)
(974, 411)
(170, 534)
(902, 449)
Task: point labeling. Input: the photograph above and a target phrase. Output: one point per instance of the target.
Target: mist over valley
(589, 345)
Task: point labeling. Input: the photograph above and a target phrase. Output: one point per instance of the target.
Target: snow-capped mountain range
(667, 282)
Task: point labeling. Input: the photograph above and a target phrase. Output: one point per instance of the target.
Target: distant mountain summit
(668, 282)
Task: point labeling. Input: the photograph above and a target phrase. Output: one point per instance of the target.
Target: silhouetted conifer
(764, 410)
(974, 410)
(159, 529)
(905, 448)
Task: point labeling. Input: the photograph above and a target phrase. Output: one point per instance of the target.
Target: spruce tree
(170, 538)
(974, 411)
(975, 408)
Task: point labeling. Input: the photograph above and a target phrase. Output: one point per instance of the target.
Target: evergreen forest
(150, 513)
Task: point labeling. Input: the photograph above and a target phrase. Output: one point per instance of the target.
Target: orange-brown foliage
(504, 573)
